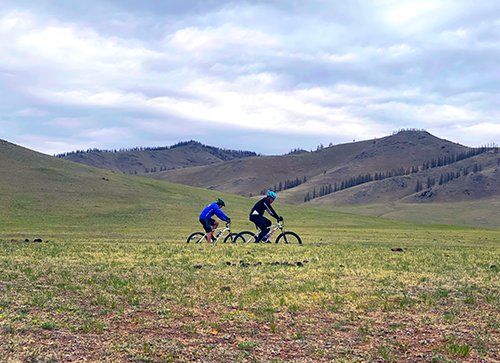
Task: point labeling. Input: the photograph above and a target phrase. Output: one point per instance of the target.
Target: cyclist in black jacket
(257, 215)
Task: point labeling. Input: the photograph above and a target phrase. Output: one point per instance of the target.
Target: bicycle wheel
(245, 237)
(196, 237)
(230, 238)
(289, 238)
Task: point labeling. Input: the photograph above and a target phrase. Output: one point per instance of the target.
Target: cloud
(30, 112)
(54, 145)
(104, 135)
(342, 57)
(214, 39)
(302, 69)
(70, 122)
(92, 59)
(485, 129)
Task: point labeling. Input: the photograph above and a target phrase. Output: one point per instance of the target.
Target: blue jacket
(212, 209)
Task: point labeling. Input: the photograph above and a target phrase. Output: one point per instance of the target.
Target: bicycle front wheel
(245, 237)
(230, 238)
(196, 237)
(289, 238)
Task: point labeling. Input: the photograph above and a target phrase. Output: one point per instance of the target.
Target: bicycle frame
(272, 229)
(217, 233)
(220, 233)
(286, 237)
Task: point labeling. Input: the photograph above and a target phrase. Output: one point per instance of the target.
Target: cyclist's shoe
(268, 241)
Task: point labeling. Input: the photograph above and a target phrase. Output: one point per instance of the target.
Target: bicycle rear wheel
(196, 237)
(289, 238)
(245, 237)
(230, 238)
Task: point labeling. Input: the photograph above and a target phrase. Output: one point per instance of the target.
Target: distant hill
(473, 178)
(449, 183)
(45, 197)
(48, 197)
(307, 172)
(140, 161)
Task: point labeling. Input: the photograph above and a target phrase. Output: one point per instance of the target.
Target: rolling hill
(326, 166)
(386, 177)
(139, 161)
(48, 197)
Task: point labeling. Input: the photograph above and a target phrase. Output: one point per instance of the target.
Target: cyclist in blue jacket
(206, 220)
(257, 214)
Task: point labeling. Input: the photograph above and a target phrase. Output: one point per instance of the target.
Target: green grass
(117, 282)
(479, 213)
(349, 289)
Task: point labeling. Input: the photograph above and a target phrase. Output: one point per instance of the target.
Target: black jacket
(261, 206)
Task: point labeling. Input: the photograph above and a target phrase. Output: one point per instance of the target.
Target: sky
(267, 76)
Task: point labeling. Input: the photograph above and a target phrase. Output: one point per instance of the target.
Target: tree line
(287, 184)
(442, 161)
(223, 154)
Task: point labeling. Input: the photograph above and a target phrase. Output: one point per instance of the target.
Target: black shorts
(207, 223)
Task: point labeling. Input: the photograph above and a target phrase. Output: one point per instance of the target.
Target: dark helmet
(221, 202)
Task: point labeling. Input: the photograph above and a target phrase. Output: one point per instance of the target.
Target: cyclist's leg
(261, 223)
(268, 224)
(215, 224)
(207, 224)
(210, 234)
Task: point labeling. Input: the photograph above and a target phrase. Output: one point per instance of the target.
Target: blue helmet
(271, 194)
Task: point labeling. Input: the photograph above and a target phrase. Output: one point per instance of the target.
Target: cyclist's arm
(270, 210)
(221, 214)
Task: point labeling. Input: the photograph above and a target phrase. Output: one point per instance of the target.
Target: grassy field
(114, 281)
(479, 213)
(146, 296)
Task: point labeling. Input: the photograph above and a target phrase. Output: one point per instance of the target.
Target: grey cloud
(421, 62)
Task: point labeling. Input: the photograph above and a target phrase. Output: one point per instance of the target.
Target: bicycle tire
(196, 237)
(244, 237)
(289, 238)
(230, 238)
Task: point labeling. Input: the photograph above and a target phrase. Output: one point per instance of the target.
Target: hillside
(398, 165)
(47, 197)
(473, 178)
(141, 161)
(41, 193)
(471, 198)
(323, 167)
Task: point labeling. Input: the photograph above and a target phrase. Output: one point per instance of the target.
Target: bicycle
(198, 237)
(288, 237)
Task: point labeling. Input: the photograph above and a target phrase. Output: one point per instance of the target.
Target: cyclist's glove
(280, 218)
(228, 220)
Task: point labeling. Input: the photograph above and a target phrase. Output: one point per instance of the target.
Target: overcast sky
(266, 76)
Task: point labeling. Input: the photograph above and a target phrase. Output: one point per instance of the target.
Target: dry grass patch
(146, 302)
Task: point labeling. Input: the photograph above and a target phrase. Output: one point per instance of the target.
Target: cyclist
(206, 220)
(257, 215)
